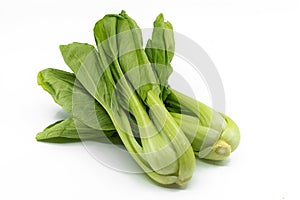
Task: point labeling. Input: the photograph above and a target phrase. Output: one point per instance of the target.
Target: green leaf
(92, 72)
(160, 49)
(69, 131)
(120, 38)
(73, 98)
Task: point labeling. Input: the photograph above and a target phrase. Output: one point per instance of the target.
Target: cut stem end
(220, 151)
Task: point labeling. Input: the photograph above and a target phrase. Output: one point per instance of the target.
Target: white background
(255, 46)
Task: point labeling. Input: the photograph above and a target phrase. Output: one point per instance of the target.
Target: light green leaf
(67, 131)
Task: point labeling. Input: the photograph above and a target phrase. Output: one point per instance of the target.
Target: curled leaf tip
(160, 16)
(40, 78)
(159, 20)
(123, 13)
(62, 47)
(169, 25)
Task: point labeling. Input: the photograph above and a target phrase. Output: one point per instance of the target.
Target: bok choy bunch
(121, 91)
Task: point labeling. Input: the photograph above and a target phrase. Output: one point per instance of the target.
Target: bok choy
(120, 90)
